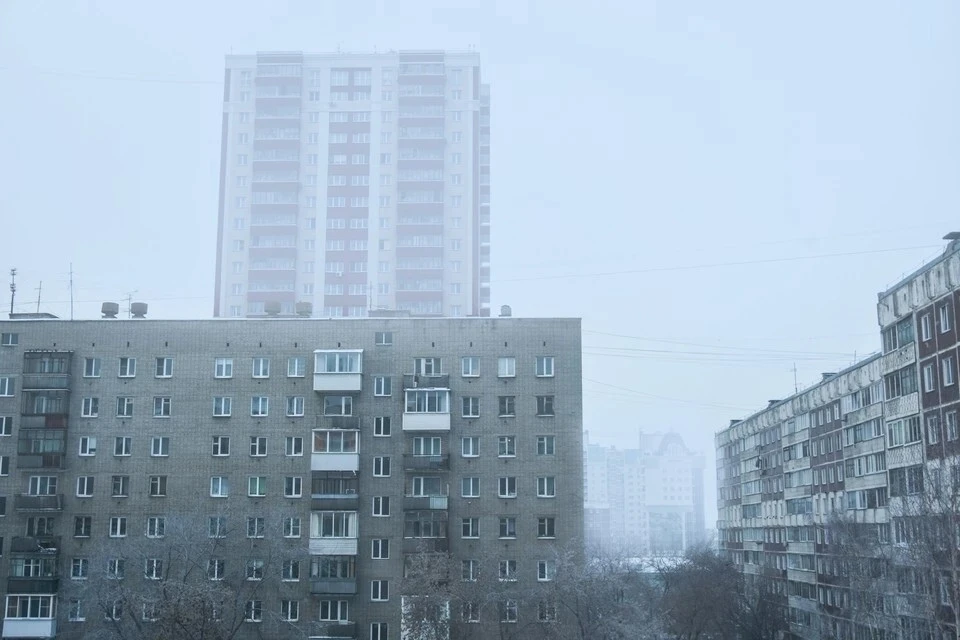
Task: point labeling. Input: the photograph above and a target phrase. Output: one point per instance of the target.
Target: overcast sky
(725, 186)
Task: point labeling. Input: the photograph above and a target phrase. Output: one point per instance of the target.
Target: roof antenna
(39, 291)
(13, 287)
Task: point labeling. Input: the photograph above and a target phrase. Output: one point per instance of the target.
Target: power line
(714, 265)
(96, 76)
(667, 398)
(710, 346)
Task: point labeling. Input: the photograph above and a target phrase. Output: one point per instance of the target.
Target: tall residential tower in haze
(354, 182)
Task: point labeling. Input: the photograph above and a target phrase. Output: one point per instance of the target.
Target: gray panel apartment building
(276, 475)
(841, 503)
(354, 181)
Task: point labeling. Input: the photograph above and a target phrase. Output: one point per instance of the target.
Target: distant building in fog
(648, 500)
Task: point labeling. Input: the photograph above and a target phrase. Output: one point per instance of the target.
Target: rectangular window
(161, 407)
(291, 527)
(508, 527)
(90, 408)
(158, 486)
(91, 367)
(88, 446)
(256, 527)
(9, 339)
(470, 366)
(118, 527)
(507, 487)
(381, 466)
(293, 487)
(381, 426)
(6, 387)
(261, 367)
(289, 610)
(544, 366)
(85, 486)
(506, 446)
(156, 526)
(296, 367)
(121, 486)
(380, 549)
(290, 571)
(221, 446)
(217, 527)
(259, 406)
(124, 407)
(255, 569)
(338, 405)
(946, 317)
(222, 406)
(546, 527)
(383, 338)
(382, 385)
(293, 446)
(160, 446)
(507, 406)
(925, 330)
(929, 381)
(470, 446)
(507, 367)
(295, 406)
(507, 570)
(82, 526)
(470, 487)
(545, 406)
(164, 368)
(219, 487)
(128, 368)
(257, 486)
(546, 487)
(379, 590)
(216, 569)
(6, 425)
(223, 368)
(950, 422)
(122, 445)
(546, 569)
(948, 370)
(253, 611)
(470, 406)
(427, 401)
(470, 527)
(381, 506)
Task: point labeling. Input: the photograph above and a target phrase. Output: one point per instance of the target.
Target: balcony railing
(40, 381)
(32, 585)
(24, 502)
(53, 461)
(425, 545)
(337, 630)
(413, 462)
(40, 544)
(419, 381)
(335, 586)
(334, 502)
(420, 503)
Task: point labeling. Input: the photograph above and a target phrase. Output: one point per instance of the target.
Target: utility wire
(712, 346)
(667, 398)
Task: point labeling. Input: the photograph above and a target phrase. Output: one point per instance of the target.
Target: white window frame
(85, 486)
(293, 446)
(470, 407)
(91, 367)
(381, 427)
(219, 486)
(470, 487)
(507, 487)
(87, 446)
(382, 386)
(946, 317)
(127, 367)
(381, 467)
(296, 367)
(160, 446)
(222, 406)
(118, 527)
(256, 486)
(295, 406)
(545, 366)
(293, 487)
(379, 590)
(260, 367)
(949, 371)
(470, 366)
(380, 549)
(90, 407)
(470, 446)
(259, 406)
(164, 367)
(507, 367)
(546, 486)
(380, 506)
(222, 368)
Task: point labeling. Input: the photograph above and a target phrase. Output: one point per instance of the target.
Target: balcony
(413, 462)
(426, 422)
(333, 546)
(334, 586)
(32, 585)
(24, 502)
(338, 422)
(425, 545)
(41, 544)
(335, 462)
(29, 628)
(45, 381)
(338, 370)
(49, 461)
(426, 382)
(421, 503)
(334, 502)
(336, 630)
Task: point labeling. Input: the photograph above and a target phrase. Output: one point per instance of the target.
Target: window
(381, 426)
(88, 446)
(164, 368)
(383, 338)
(221, 446)
(84, 486)
(946, 318)
(75, 611)
(381, 506)
(508, 527)
(335, 611)
(90, 408)
(933, 429)
(379, 590)
(470, 446)
(925, 329)
(900, 383)
(6, 425)
(289, 610)
(156, 526)
(545, 406)
(506, 446)
(219, 487)
(546, 611)
(507, 487)
(470, 406)
(338, 405)
(128, 367)
(544, 366)
(30, 607)
(115, 567)
(216, 569)
(253, 611)
(905, 431)
(470, 527)
(259, 406)
(124, 407)
(293, 487)
(254, 569)
(291, 527)
(9, 339)
(82, 526)
(223, 368)
(6, 387)
(546, 527)
(122, 445)
(950, 421)
(380, 549)
(261, 367)
(290, 571)
(334, 441)
(382, 385)
(91, 367)
(427, 401)
(470, 487)
(257, 486)
(161, 407)
(929, 381)
(293, 446)
(258, 446)
(43, 485)
(906, 480)
(118, 527)
(507, 406)
(158, 486)
(507, 367)
(508, 570)
(216, 527)
(948, 370)
(546, 569)
(160, 446)
(546, 487)
(120, 486)
(470, 366)
(381, 466)
(256, 527)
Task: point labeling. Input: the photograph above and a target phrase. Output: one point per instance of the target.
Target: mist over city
(440, 319)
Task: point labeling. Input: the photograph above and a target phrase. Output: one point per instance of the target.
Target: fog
(718, 189)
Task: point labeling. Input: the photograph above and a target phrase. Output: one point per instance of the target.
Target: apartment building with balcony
(297, 465)
(839, 503)
(354, 182)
